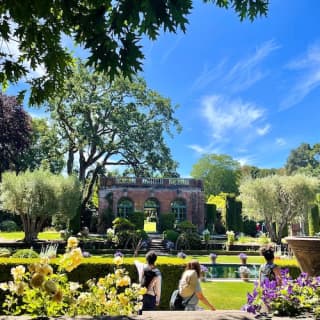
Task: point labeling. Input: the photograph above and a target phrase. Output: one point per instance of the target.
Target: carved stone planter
(307, 252)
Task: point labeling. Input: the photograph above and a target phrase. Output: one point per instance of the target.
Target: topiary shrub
(166, 221)
(137, 218)
(186, 226)
(170, 235)
(8, 225)
(25, 253)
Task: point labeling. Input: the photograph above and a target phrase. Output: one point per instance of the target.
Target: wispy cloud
(232, 123)
(247, 72)
(242, 75)
(225, 116)
(170, 50)
(264, 130)
(281, 142)
(308, 67)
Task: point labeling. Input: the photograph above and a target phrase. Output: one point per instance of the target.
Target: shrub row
(97, 268)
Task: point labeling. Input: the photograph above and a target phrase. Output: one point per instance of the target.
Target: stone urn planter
(307, 252)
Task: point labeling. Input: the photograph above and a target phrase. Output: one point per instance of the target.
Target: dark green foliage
(211, 216)
(233, 214)
(188, 241)
(122, 224)
(170, 235)
(313, 220)
(142, 234)
(186, 226)
(8, 225)
(219, 227)
(166, 221)
(25, 253)
(249, 227)
(137, 218)
(111, 31)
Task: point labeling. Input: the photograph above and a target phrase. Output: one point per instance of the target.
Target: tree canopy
(110, 30)
(15, 132)
(304, 159)
(219, 173)
(36, 196)
(278, 200)
(45, 149)
(106, 124)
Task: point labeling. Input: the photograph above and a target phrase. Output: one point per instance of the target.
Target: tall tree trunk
(70, 161)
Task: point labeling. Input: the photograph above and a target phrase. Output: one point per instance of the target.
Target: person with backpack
(150, 277)
(190, 289)
(269, 270)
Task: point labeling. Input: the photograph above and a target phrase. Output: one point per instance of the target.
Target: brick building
(154, 196)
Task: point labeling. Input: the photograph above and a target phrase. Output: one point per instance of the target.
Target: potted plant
(230, 239)
(244, 273)
(203, 270)
(243, 257)
(213, 258)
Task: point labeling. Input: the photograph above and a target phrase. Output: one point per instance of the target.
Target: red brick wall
(192, 195)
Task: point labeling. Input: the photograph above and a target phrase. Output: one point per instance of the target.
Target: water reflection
(230, 271)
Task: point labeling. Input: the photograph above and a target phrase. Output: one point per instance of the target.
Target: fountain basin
(307, 252)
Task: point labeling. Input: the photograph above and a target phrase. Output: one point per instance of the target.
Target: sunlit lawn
(150, 226)
(227, 295)
(20, 235)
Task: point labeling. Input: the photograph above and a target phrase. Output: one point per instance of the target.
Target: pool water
(230, 271)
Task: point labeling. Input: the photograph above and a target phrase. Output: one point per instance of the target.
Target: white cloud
(169, 51)
(246, 72)
(281, 142)
(309, 78)
(229, 116)
(204, 149)
(264, 130)
(245, 160)
(242, 75)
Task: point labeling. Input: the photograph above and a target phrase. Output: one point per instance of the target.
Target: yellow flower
(44, 260)
(37, 280)
(72, 242)
(4, 286)
(124, 300)
(18, 272)
(142, 291)
(123, 282)
(118, 260)
(32, 267)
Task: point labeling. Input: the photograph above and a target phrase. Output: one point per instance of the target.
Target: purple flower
(86, 254)
(212, 255)
(118, 254)
(242, 255)
(181, 255)
(203, 268)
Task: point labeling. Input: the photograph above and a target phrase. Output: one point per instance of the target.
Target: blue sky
(246, 89)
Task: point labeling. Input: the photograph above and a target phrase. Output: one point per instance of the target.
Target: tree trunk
(70, 161)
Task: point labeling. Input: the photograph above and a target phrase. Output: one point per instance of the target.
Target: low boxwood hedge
(99, 267)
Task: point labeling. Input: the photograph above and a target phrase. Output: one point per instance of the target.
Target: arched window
(151, 209)
(125, 207)
(179, 209)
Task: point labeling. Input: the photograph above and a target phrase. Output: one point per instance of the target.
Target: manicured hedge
(171, 273)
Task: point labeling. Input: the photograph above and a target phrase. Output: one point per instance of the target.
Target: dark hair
(194, 265)
(267, 252)
(151, 257)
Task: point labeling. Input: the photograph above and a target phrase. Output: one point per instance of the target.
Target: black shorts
(149, 302)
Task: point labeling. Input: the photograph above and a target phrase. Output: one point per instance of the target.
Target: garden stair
(156, 244)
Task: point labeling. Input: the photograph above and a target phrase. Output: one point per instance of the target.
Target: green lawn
(227, 295)
(20, 235)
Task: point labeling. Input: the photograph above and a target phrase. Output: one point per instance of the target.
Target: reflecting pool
(230, 271)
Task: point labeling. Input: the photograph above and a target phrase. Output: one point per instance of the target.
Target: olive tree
(36, 196)
(278, 200)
